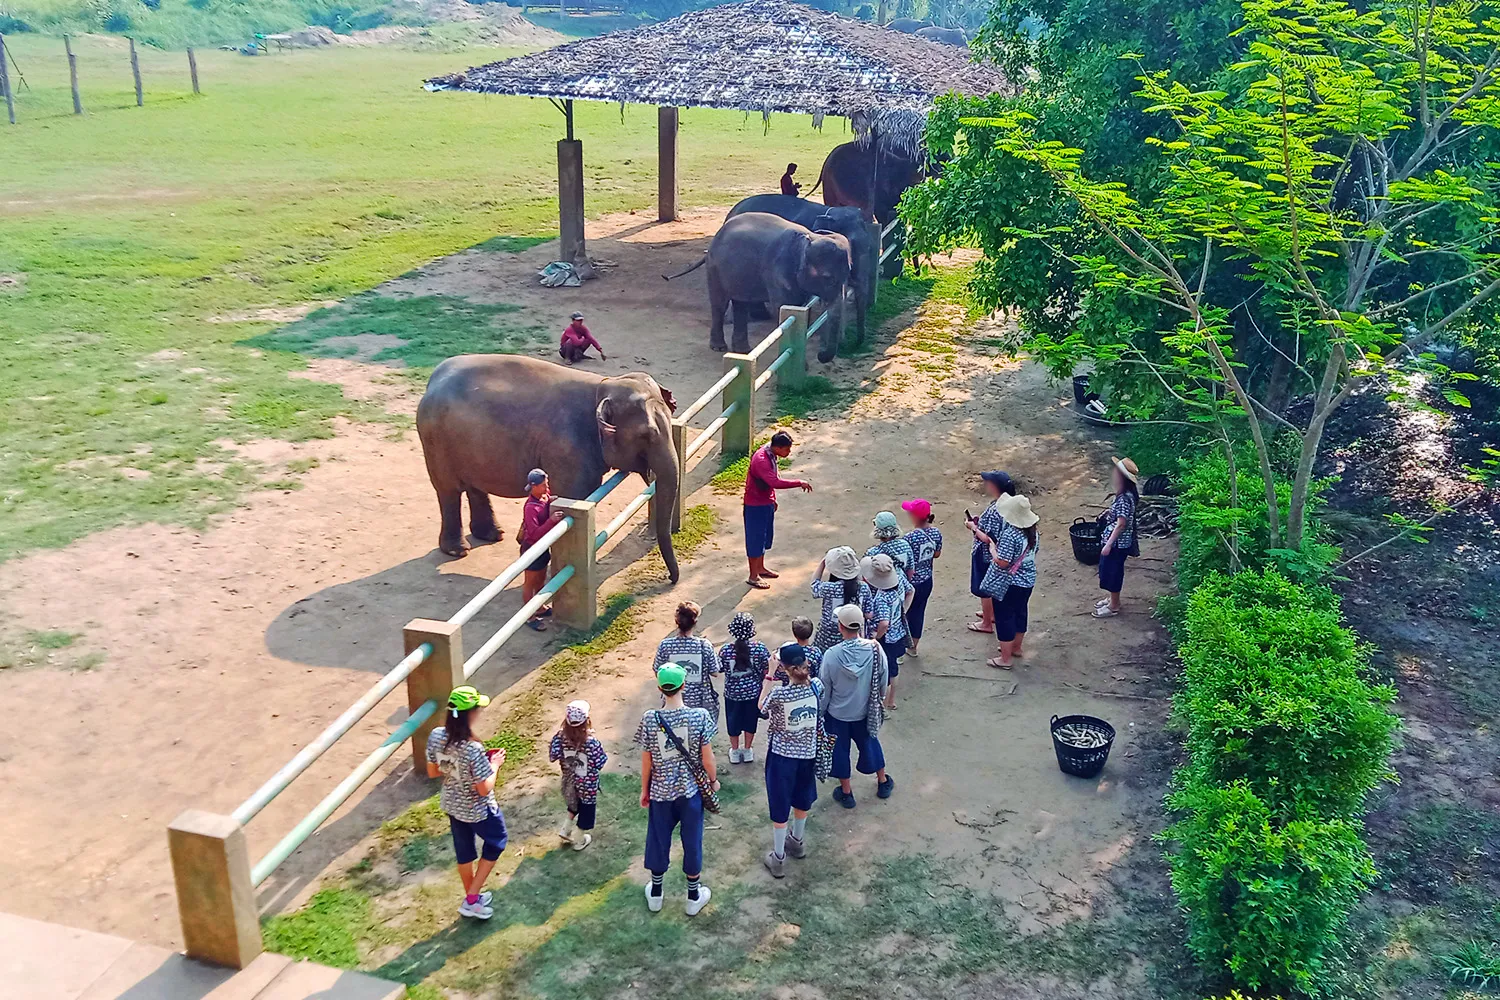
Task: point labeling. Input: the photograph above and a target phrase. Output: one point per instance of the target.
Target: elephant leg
(482, 517)
(741, 327)
(451, 534)
(758, 310)
(718, 301)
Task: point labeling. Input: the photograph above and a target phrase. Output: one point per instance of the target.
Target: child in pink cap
(582, 757)
(926, 543)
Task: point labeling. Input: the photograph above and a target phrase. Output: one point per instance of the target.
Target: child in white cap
(582, 758)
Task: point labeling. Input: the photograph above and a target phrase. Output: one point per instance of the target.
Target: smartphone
(967, 515)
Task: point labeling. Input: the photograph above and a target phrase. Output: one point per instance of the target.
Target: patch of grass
(1475, 965)
(891, 300)
(88, 661)
(168, 218)
(327, 930)
(298, 466)
(512, 244)
(52, 639)
(732, 471)
(283, 484)
(427, 328)
(698, 524)
(818, 393)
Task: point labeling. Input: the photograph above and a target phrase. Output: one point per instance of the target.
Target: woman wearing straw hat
(1012, 576)
(843, 586)
(985, 529)
(1117, 528)
(468, 796)
(886, 623)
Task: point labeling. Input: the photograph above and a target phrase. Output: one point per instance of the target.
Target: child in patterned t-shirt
(791, 779)
(582, 758)
(926, 543)
(744, 663)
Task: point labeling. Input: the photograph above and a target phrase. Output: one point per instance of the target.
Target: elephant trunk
(663, 462)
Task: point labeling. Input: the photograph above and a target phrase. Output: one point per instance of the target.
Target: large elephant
(488, 419)
(757, 257)
(908, 25)
(943, 36)
(849, 223)
(847, 173)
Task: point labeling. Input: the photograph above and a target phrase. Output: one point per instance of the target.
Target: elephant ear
(604, 415)
(666, 395)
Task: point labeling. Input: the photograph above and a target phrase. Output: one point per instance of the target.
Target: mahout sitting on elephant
(486, 420)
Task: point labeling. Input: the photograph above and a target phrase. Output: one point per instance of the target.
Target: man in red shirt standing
(576, 340)
(537, 518)
(761, 484)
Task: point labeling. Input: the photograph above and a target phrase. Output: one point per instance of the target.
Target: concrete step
(43, 961)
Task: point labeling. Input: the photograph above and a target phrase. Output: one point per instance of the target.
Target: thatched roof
(763, 56)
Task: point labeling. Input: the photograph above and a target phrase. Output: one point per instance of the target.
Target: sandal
(1105, 612)
(758, 584)
(536, 625)
(978, 627)
(997, 664)
(1102, 602)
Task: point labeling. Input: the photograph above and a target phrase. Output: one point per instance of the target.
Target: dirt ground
(224, 650)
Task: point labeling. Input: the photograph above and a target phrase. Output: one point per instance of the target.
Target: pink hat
(918, 508)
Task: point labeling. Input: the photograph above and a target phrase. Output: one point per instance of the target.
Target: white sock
(778, 841)
(798, 827)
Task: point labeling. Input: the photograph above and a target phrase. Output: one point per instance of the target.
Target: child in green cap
(468, 796)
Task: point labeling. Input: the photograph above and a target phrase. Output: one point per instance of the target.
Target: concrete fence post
(874, 228)
(793, 374)
(434, 680)
(215, 900)
(576, 603)
(679, 445)
(738, 436)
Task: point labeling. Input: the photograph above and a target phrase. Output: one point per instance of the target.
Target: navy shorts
(585, 815)
(1112, 571)
(490, 831)
(791, 783)
(741, 717)
(871, 757)
(539, 564)
(1010, 613)
(760, 529)
(661, 820)
(893, 653)
(916, 615)
(979, 565)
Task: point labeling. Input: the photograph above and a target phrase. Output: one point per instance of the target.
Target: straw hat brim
(878, 580)
(1017, 511)
(1134, 477)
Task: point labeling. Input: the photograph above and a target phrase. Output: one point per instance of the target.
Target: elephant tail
(701, 261)
(814, 188)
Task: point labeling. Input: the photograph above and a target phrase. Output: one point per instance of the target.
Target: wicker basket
(1084, 762)
(1086, 541)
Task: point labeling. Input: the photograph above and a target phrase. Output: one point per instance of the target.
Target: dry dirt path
(226, 649)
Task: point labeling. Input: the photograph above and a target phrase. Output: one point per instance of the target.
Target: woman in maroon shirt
(537, 519)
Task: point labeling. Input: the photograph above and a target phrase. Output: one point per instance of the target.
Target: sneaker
(734, 755)
(885, 788)
(653, 903)
(580, 844)
(566, 832)
(485, 897)
(776, 866)
(843, 798)
(479, 910)
(695, 906)
(795, 848)
(747, 756)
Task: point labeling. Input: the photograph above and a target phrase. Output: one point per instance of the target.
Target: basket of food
(1086, 541)
(1082, 743)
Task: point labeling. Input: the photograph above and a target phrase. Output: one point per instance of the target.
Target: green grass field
(293, 179)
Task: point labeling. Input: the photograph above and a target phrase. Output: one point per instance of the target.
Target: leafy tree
(1333, 193)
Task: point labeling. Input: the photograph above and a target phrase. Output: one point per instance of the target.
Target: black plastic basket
(1080, 390)
(1086, 541)
(1079, 761)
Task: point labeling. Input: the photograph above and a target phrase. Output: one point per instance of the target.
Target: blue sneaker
(885, 788)
(843, 798)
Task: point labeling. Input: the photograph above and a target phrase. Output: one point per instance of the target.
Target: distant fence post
(739, 430)
(874, 228)
(193, 69)
(135, 71)
(434, 680)
(215, 900)
(576, 603)
(10, 99)
(666, 164)
(73, 74)
(793, 374)
(679, 445)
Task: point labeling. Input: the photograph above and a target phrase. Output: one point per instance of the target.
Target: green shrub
(1273, 694)
(1264, 899)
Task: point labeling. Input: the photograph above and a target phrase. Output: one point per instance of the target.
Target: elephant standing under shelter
(864, 251)
(486, 420)
(849, 171)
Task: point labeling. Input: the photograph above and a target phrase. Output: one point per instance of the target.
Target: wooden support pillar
(793, 374)
(215, 900)
(576, 603)
(738, 435)
(570, 200)
(193, 69)
(73, 74)
(10, 99)
(135, 71)
(434, 680)
(666, 164)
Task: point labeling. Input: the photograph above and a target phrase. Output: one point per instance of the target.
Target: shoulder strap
(671, 735)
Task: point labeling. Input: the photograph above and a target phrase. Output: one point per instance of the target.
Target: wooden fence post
(135, 71)
(73, 74)
(738, 436)
(576, 603)
(193, 69)
(793, 374)
(10, 99)
(874, 228)
(215, 900)
(434, 680)
(679, 444)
